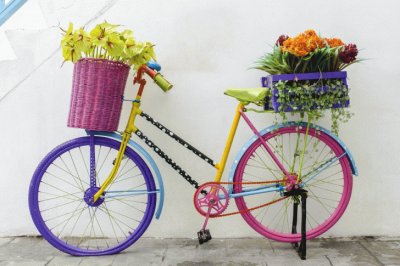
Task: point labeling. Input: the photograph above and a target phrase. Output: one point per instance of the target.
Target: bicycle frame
(219, 166)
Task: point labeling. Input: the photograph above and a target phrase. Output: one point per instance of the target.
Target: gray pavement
(256, 251)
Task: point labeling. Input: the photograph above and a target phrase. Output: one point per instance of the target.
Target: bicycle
(96, 195)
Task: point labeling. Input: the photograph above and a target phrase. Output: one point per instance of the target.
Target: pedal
(204, 236)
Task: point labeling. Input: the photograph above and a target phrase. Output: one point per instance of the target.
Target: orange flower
(334, 42)
(303, 44)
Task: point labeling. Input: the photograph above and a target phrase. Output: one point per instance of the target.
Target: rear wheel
(327, 179)
(60, 198)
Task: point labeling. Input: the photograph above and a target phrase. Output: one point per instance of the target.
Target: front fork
(125, 138)
(124, 142)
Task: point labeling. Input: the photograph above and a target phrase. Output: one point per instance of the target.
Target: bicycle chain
(167, 159)
(247, 183)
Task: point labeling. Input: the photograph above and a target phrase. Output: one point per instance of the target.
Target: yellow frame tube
(130, 127)
(221, 165)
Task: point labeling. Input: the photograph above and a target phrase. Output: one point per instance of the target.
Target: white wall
(205, 47)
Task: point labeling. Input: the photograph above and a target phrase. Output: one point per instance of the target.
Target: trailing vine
(313, 98)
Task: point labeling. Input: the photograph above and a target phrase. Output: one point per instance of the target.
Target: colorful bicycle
(96, 195)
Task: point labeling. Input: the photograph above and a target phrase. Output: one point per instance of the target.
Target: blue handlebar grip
(154, 65)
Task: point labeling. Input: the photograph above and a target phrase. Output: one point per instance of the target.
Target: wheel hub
(291, 182)
(89, 195)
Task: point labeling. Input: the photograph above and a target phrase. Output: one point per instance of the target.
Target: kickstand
(302, 248)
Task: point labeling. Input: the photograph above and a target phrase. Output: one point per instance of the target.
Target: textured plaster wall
(204, 47)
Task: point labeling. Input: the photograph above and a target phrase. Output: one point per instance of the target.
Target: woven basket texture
(97, 90)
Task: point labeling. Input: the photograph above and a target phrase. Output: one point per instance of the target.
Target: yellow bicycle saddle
(248, 95)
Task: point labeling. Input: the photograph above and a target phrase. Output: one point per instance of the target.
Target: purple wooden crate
(269, 81)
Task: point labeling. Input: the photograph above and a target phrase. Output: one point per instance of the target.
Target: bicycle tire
(58, 187)
(328, 193)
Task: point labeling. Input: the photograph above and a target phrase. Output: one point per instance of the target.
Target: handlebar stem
(139, 79)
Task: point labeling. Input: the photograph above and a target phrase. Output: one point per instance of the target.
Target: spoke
(319, 201)
(92, 228)
(334, 200)
(87, 226)
(261, 167)
(126, 178)
(67, 193)
(130, 205)
(66, 221)
(325, 189)
(59, 196)
(330, 181)
(326, 182)
(76, 222)
(312, 219)
(102, 164)
(57, 206)
(121, 214)
(65, 214)
(250, 180)
(266, 166)
(59, 178)
(75, 178)
(277, 151)
(276, 215)
(121, 175)
(68, 171)
(275, 197)
(101, 231)
(116, 219)
(111, 222)
(76, 169)
(321, 166)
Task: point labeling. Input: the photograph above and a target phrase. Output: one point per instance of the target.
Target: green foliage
(307, 97)
(105, 42)
(324, 59)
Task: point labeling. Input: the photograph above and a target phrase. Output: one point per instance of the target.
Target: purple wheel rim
(63, 246)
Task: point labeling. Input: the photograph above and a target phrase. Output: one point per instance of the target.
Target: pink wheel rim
(323, 227)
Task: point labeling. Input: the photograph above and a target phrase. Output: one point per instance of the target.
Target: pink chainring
(214, 202)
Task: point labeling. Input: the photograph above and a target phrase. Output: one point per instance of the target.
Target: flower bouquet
(102, 58)
(307, 77)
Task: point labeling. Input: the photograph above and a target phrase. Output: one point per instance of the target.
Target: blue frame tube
(122, 193)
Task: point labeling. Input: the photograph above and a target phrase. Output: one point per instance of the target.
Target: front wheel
(61, 190)
(326, 175)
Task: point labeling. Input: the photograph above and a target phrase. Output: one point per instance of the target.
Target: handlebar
(162, 82)
(158, 78)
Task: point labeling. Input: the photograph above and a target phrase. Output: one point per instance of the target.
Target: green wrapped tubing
(162, 82)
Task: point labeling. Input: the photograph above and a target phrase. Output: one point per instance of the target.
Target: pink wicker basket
(97, 90)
